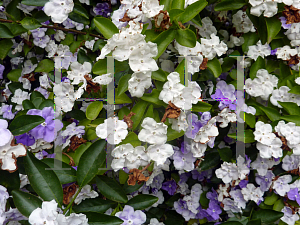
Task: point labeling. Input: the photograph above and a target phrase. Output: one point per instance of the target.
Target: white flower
(120, 153)
(28, 67)
(151, 8)
(64, 96)
(207, 131)
(297, 80)
(5, 134)
(242, 23)
(89, 44)
(23, 180)
(77, 219)
(290, 131)
(222, 191)
(207, 28)
(285, 52)
(59, 35)
(185, 51)
(198, 149)
(212, 47)
(86, 192)
(152, 132)
(58, 9)
(259, 6)
(113, 129)
(154, 221)
(242, 168)
(45, 215)
(160, 153)
(78, 71)
(273, 149)
(3, 198)
(281, 95)
(228, 172)
(180, 123)
(136, 158)
(103, 79)
(259, 50)
(235, 41)
(252, 193)
(262, 165)
(225, 116)
(289, 218)
(139, 82)
(281, 185)
(263, 133)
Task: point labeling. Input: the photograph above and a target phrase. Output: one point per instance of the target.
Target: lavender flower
(214, 210)
(1, 71)
(194, 125)
(264, 182)
(7, 112)
(129, 216)
(170, 187)
(293, 194)
(102, 9)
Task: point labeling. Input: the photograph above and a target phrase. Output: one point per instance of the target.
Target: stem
(73, 199)
(57, 28)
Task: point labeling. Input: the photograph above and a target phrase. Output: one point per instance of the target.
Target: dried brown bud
(91, 85)
(291, 14)
(75, 142)
(203, 65)
(136, 176)
(162, 20)
(172, 111)
(127, 119)
(68, 192)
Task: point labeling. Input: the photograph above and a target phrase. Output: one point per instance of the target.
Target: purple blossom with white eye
(26, 139)
(283, 23)
(43, 91)
(293, 194)
(7, 112)
(102, 9)
(48, 129)
(181, 207)
(43, 154)
(157, 181)
(42, 41)
(1, 71)
(205, 117)
(243, 183)
(131, 217)
(238, 198)
(170, 187)
(230, 205)
(214, 210)
(226, 94)
(184, 177)
(264, 182)
(72, 130)
(281, 185)
(212, 196)
(184, 161)
(198, 176)
(39, 32)
(194, 125)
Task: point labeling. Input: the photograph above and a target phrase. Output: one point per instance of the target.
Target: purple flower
(264, 182)
(43, 91)
(1, 71)
(25, 139)
(214, 210)
(243, 183)
(194, 125)
(7, 112)
(213, 196)
(157, 181)
(198, 176)
(273, 52)
(131, 217)
(102, 9)
(48, 129)
(283, 23)
(170, 187)
(184, 161)
(226, 94)
(293, 194)
(38, 33)
(43, 154)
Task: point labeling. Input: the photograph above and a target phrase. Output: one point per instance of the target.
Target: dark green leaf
(210, 161)
(215, 66)
(106, 27)
(65, 175)
(111, 189)
(132, 188)
(250, 38)
(226, 5)
(27, 104)
(142, 201)
(5, 32)
(6, 45)
(26, 202)
(131, 138)
(186, 37)
(273, 27)
(267, 215)
(232, 223)
(100, 67)
(25, 123)
(93, 110)
(292, 118)
(225, 154)
(254, 222)
(271, 113)
(123, 84)
(174, 13)
(13, 11)
(30, 23)
(173, 134)
(291, 107)
(14, 75)
(80, 10)
(250, 119)
(247, 136)
(10, 180)
(201, 107)
(90, 161)
(42, 179)
(37, 102)
(153, 98)
(163, 40)
(159, 75)
(192, 10)
(46, 65)
(295, 90)
(97, 205)
(47, 103)
(259, 64)
(34, 2)
(102, 219)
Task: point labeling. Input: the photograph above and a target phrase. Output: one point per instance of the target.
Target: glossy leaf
(271, 113)
(267, 215)
(201, 107)
(90, 161)
(111, 189)
(259, 64)
(159, 75)
(163, 40)
(34, 2)
(97, 205)
(186, 37)
(123, 84)
(5, 32)
(131, 138)
(6, 45)
(14, 75)
(211, 160)
(226, 5)
(25, 123)
(93, 110)
(26, 202)
(273, 27)
(192, 10)
(132, 188)
(215, 66)
(225, 154)
(106, 27)
(178, 4)
(153, 98)
(139, 110)
(173, 134)
(30, 23)
(292, 118)
(42, 179)
(102, 219)
(291, 107)
(142, 201)
(45, 65)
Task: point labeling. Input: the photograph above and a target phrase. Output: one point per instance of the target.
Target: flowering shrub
(149, 112)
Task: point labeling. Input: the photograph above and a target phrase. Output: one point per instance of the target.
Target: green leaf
(186, 37)
(106, 26)
(227, 64)
(122, 98)
(30, 23)
(34, 2)
(123, 177)
(83, 57)
(123, 84)
(5, 32)
(142, 201)
(173, 134)
(178, 4)
(80, 10)
(246, 137)
(14, 75)
(131, 138)
(254, 222)
(47, 103)
(102, 219)
(278, 206)
(192, 10)
(225, 154)
(215, 66)
(211, 160)
(295, 90)
(159, 75)
(250, 38)
(37, 102)
(25, 202)
(111, 189)
(232, 223)
(97, 205)
(42, 179)
(267, 215)
(100, 67)
(93, 110)
(78, 18)
(174, 13)
(163, 40)
(270, 200)
(25, 123)
(27, 104)
(90, 161)
(6, 45)
(201, 107)
(292, 118)
(250, 119)
(271, 113)
(13, 11)
(10, 180)
(79, 151)
(273, 27)
(46, 65)
(259, 64)
(139, 110)
(226, 5)
(291, 107)
(153, 98)
(132, 188)
(66, 175)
